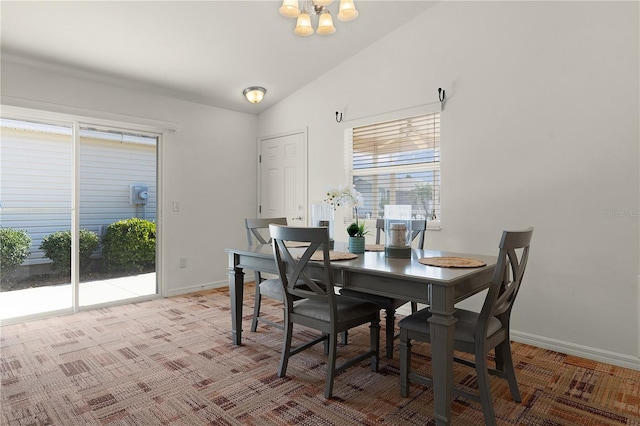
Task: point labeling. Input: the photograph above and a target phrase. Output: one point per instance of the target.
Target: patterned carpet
(171, 362)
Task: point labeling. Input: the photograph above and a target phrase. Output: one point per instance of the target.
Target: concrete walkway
(32, 301)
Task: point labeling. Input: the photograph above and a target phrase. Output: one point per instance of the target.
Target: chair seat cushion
(348, 308)
(465, 326)
(272, 288)
(382, 301)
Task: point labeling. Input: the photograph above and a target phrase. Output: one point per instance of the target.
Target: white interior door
(283, 178)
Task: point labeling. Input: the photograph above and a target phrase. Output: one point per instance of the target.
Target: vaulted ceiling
(201, 51)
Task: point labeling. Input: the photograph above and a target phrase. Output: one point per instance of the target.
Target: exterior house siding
(36, 183)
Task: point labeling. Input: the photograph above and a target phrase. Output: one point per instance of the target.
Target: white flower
(342, 194)
(358, 200)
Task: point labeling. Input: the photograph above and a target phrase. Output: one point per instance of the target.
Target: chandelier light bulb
(303, 26)
(325, 24)
(289, 8)
(347, 11)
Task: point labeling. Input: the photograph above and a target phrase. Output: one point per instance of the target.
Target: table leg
(236, 295)
(442, 327)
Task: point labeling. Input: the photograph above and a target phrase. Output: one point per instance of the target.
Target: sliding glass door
(117, 202)
(83, 199)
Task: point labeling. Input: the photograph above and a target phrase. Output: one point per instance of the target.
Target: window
(397, 162)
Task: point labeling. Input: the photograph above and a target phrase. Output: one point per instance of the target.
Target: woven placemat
(452, 262)
(374, 247)
(294, 244)
(334, 255)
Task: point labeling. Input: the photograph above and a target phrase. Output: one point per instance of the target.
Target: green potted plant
(357, 230)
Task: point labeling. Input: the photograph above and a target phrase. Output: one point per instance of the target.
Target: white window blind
(397, 162)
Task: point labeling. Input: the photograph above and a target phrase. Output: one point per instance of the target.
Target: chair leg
(414, 307)
(405, 364)
(331, 365)
(374, 336)
(256, 309)
(503, 353)
(390, 322)
(484, 388)
(499, 359)
(345, 336)
(286, 348)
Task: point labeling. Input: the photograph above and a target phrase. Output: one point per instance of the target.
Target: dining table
(402, 278)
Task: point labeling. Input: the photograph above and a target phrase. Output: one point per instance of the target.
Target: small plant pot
(356, 244)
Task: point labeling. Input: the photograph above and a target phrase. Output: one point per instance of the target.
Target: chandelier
(289, 8)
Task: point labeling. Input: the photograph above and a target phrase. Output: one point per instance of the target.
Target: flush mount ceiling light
(289, 8)
(254, 94)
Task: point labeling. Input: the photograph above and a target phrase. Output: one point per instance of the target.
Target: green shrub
(129, 245)
(57, 247)
(14, 248)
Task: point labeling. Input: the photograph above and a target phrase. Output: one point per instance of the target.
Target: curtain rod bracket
(338, 114)
(442, 97)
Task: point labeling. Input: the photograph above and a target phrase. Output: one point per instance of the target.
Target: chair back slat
(297, 274)
(379, 229)
(293, 263)
(256, 227)
(508, 274)
(418, 229)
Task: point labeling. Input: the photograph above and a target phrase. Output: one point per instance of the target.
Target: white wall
(540, 128)
(208, 166)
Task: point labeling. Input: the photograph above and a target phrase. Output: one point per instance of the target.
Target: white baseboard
(195, 288)
(587, 352)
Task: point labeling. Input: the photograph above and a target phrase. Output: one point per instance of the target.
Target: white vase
(323, 215)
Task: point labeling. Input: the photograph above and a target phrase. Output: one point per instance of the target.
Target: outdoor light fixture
(289, 8)
(254, 94)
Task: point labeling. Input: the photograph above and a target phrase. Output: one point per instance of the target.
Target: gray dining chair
(389, 304)
(318, 306)
(478, 333)
(257, 233)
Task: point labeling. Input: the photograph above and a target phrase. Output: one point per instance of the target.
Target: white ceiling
(202, 51)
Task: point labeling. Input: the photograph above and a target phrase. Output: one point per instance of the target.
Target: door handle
(297, 218)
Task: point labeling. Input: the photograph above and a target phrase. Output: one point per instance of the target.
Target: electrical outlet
(183, 262)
